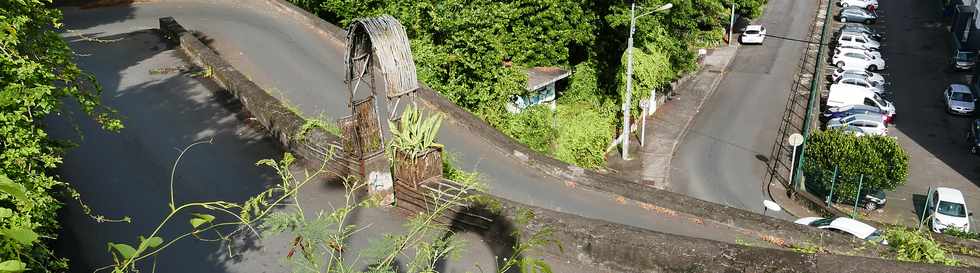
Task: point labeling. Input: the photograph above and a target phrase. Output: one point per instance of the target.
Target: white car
(871, 76)
(858, 60)
(857, 40)
(870, 53)
(959, 99)
(948, 210)
(753, 34)
(860, 81)
(858, 3)
(870, 124)
(846, 225)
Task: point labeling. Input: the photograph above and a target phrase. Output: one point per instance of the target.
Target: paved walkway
(650, 162)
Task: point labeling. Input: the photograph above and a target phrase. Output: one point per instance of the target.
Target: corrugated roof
(538, 77)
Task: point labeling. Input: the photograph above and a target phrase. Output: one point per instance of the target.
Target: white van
(844, 95)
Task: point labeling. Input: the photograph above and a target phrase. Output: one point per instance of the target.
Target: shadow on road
(164, 107)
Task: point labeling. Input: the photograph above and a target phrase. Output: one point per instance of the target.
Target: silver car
(959, 99)
(870, 124)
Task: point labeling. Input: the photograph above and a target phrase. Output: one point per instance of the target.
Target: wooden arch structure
(375, 45)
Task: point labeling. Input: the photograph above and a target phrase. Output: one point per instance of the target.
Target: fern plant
(414, 135)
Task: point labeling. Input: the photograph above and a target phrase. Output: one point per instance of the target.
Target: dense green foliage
(963, 234)
(882, 162)
(37, 73)
(915, 246)
(461, 47)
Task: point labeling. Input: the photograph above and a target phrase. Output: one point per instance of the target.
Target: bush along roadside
(38, 74)
(475, 53)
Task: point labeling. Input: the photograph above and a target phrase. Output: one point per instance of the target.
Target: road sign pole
(795, 140)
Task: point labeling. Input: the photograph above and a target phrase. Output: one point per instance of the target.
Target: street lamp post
(627, 102)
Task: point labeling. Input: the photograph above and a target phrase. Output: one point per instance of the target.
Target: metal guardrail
(813, 100)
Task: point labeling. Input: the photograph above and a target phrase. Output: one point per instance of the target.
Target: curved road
(717, 160)
(164, 112)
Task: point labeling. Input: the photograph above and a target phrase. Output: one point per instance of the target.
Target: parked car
(870, 53)
(845, 225)
(871, 76)
(860, 81)
(858, 60)
(870, 4)
(857, 14)
(844, 111)
(856, 40)
(861, 28)
(844, 95)
(964, 57)
(971, 136)
(948, 210)
(870, 124)
(959, 99)
(753, 34)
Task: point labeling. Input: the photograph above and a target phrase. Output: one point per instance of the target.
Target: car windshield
(875, 236)
(821, 222)
(961, 96)
(966, 55)
(879, 100)
(752, 32)
(951, 209)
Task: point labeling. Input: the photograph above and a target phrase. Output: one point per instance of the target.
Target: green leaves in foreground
(13, 189)
(126, 252)
(200, 219)
(12, 266)
(22, 236)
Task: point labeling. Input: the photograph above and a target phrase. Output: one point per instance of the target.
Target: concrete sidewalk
(650, 162)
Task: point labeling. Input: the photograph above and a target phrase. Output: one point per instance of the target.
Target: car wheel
(843, 5)
(973, 150)
(870, 206)
(839, 64)
(873, 67)
(843, 20)
(868, 21)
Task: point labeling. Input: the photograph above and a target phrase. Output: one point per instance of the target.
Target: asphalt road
(718, 159)
(126, 173)
(936, 141)
(165, 108)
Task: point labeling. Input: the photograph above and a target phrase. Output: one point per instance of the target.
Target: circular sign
(795, 139)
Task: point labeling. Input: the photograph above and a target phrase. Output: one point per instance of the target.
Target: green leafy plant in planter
(413, 149)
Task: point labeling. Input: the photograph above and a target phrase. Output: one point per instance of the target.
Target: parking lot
(917, 48)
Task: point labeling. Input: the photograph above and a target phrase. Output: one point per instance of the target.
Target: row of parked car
(858, 103)
(857, 100)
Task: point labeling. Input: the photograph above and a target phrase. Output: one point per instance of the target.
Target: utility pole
(627, 102)
(731, 25)
(629, 84)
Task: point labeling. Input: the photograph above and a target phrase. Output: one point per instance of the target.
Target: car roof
(852, 226)
(959, 88)
(848, 76)
(859, 107)
(866, 116)
(753, 27)
(950, 195)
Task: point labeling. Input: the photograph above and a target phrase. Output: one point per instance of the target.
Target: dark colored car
(860, 28)
(856, 14)
(873, 200)
(971, 136)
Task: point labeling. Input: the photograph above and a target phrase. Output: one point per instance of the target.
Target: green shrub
(962, 234)
(535, 127)
(882, 162)
(583, 134)
(915, 246)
